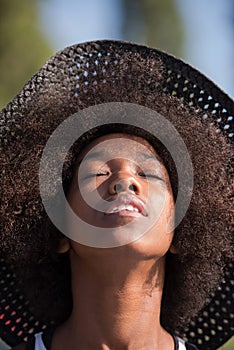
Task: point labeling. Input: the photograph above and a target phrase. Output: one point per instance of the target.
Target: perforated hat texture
(88, 66)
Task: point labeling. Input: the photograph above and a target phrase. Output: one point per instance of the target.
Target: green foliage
(229, 345)
(163, 25)
(23, 49)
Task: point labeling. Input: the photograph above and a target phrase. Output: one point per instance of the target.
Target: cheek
(162, 212)
(76, 200)
(160, 201)
(166, 219)
(92, 190)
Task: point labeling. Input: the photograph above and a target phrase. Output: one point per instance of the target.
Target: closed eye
(96, 174)
(103, 174)
(151, 176)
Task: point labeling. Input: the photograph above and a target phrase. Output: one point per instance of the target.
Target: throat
(119, 313)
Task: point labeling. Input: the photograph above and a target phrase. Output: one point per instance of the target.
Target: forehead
(118, 145)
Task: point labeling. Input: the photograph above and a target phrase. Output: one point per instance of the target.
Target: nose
(128, 184)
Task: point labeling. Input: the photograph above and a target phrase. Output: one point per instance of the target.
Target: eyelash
(150, 175)
(102, 174)
(140, 174)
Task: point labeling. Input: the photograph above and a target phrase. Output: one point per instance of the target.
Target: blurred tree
(154, 22)
(229, 345)
(23, 49)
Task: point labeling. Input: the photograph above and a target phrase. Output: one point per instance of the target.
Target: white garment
(181, 344)
(39, 345)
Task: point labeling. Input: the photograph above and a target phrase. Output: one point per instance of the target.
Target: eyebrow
(151, 156)
(89, 156)
(93, 155)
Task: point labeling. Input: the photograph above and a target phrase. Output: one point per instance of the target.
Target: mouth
(127, 205)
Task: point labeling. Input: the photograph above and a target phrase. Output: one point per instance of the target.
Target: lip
(126, 199)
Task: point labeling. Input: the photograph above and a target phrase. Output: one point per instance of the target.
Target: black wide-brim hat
(81, 76)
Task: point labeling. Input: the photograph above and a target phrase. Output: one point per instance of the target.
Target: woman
(139, 291)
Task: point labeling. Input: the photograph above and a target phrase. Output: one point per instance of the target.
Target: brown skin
(117, 291)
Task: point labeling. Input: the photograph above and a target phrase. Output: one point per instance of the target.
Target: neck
(115, 307)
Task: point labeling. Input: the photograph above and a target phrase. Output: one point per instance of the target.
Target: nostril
(132, 188)
(117, 188)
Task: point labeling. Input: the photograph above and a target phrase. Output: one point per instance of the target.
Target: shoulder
(21, 346)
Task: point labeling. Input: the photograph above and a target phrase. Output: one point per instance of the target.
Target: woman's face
(121, 185)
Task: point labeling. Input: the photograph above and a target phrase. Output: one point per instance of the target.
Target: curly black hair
(203, 239)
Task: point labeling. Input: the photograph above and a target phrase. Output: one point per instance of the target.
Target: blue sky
(73, 21)
(209, 35)
(210, 39)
